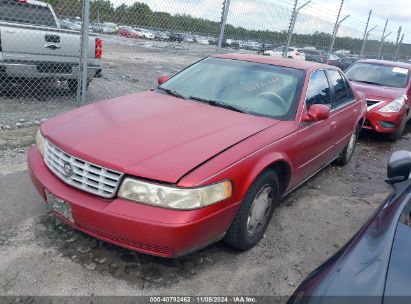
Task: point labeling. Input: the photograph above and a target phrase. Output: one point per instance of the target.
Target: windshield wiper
(218, 104)
(172, 93)
(367, 82)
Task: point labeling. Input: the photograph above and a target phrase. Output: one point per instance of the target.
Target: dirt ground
(42, 256)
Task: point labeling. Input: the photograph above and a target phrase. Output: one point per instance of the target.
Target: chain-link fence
(56, 55)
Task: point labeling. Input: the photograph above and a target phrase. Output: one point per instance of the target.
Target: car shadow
(144, 270)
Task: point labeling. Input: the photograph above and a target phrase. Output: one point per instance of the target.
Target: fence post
(394, 56)
(382, 40)
(292, 24)
(337, 24)
(224, 14)
(364, 40)
(366, 37)
(397, 51)
(82, 77)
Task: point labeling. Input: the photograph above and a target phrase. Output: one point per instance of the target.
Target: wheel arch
(279, 163)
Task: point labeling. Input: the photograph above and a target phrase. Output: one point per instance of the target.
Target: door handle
(355, 110)
(52, 46)
(333, 125)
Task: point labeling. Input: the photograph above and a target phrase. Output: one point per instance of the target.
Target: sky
(319, 15)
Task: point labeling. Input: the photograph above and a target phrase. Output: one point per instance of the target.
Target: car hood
(378, 92)
(151, 135)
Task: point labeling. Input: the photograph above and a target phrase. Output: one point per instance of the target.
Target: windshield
(378, 74)
(254, 88)
(27, 13)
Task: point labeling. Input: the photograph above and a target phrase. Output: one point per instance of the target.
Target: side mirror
(162, 79)
(316, 112)
(399, 167)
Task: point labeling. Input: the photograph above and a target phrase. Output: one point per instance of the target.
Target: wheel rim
(260, 210)
(351, 144)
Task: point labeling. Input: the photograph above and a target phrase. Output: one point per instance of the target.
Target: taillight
(99, 48)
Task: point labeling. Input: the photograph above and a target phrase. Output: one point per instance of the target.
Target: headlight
(394, 106)
(40, 141)
(174, 198)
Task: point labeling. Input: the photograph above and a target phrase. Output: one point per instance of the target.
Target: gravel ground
(42, 256)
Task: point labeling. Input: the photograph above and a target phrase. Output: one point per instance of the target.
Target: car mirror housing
(162, 79)
(399, 167)
(316, 112)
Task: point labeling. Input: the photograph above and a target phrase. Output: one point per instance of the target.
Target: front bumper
(383, 122)
(147, 229)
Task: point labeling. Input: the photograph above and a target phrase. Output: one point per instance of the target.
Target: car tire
(290, 57)
(397, 134)
(255, 212)
(346, 154)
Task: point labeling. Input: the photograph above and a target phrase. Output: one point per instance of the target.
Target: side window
(318, 91)
(341, 95)
(347, 85)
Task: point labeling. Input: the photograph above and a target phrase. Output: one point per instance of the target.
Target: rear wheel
(255, 212)
(397, 134)
(73, 85)
(346, 154)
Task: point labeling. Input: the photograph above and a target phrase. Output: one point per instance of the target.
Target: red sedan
(127, 31)
(387, 89)
(205, 156)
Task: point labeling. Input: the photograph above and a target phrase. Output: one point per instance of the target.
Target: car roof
(386, 62)
(285, 62)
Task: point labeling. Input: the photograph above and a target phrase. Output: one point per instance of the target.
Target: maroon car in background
(387, 89)
(205, 156)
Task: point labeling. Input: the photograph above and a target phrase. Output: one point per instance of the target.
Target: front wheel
(346, 154)
(255, 212)
(397, 134)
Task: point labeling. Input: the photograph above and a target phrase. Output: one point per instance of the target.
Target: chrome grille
(83, 175)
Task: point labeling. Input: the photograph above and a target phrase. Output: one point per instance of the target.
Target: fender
(269, 161)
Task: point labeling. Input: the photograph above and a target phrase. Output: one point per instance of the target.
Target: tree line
(140, 15)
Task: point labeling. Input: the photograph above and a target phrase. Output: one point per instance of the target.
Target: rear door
(315, 140)
(344, 109)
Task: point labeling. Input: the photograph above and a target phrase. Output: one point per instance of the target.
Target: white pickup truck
(33, 46)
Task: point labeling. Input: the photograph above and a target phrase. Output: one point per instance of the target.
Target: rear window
(26, 13)
(378, 74)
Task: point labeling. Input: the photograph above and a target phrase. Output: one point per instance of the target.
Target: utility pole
(394, 57)
(292, 25)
